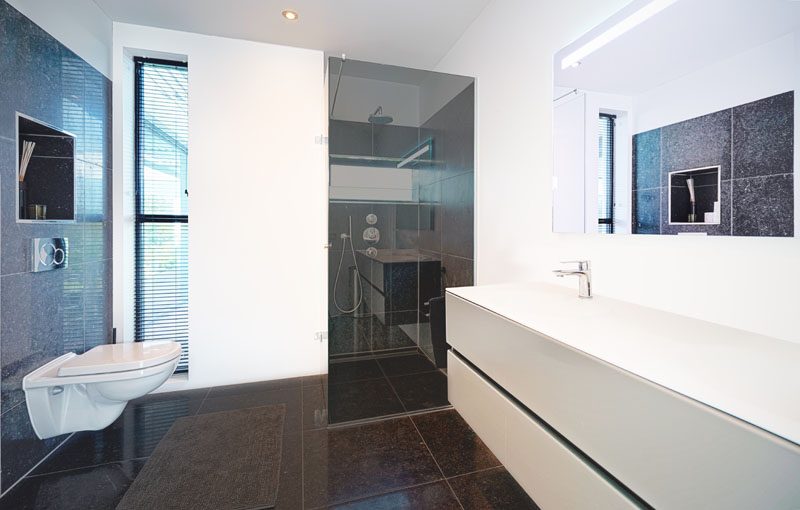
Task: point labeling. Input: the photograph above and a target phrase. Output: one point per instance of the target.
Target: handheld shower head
(690, 184)
(378, 117)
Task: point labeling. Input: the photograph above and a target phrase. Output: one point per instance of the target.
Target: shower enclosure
(401, 194)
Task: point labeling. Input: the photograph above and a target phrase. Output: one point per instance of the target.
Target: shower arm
(338, 80)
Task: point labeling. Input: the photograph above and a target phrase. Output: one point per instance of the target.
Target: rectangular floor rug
(219, 461)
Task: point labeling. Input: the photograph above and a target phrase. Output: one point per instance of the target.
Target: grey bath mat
(219, 461)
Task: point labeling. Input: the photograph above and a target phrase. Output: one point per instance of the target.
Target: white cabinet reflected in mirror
(679, 117)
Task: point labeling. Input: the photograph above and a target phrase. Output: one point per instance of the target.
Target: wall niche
(45, 172)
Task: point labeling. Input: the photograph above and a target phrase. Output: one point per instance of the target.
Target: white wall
(760, 72)
(359, 97)
(742, 282)
(80, 25)
(257, 210)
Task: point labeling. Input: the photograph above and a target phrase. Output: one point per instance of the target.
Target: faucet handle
(583, 265)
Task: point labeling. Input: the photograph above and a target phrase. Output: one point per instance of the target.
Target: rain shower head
(379, 118)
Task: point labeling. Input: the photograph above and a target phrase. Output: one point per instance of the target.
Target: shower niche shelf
(45, 172)
(706, 182)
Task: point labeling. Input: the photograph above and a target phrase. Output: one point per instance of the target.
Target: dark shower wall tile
(350, 138)
(32, 71)
(458, 272)
(647, 207)
(453, 132)
(430, 234)
(763, 137)
(97, 119)
(764, 206)
(42, 318)
(386, 225)
(391, 141)
(647, 159)
(458, 216)
(701, 142)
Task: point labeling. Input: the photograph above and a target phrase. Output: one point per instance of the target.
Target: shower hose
(345, 237)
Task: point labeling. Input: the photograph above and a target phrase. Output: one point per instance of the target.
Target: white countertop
(753, 377)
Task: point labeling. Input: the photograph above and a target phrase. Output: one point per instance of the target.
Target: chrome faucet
(584, 274)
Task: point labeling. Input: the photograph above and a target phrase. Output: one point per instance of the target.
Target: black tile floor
(430, 460)
(353, 336)
(369, 388)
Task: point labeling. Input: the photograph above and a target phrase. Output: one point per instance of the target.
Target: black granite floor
(431, 460)
(350, 336)
(376, 387)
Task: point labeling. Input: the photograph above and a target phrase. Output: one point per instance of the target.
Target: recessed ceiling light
(290, 15)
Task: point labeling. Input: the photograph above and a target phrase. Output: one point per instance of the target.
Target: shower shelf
(371, 159)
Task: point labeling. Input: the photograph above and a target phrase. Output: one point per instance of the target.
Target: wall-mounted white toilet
(89, 391)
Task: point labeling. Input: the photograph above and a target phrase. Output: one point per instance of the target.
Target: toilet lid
(110, 358)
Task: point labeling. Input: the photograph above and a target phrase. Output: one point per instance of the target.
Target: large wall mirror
(679, 117)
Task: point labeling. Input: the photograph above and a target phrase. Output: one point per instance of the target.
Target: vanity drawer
(672, 451)
(547, 469)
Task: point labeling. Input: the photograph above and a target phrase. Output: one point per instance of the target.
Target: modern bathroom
(464, 254)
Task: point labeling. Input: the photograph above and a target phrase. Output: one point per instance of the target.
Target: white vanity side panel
(481, 406)
(671, 451)
(548, 471)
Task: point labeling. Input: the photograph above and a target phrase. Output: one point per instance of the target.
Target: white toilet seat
(121, 357)
(47, 375)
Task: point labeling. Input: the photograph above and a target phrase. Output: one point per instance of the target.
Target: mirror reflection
(679, 117)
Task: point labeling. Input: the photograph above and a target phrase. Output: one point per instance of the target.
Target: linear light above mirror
(661, 91)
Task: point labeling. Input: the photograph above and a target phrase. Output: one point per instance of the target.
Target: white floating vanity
(598, 403)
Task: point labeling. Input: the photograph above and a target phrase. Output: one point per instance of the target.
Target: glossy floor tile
(491, 489)
(433, 495)
(457, 449)
(404, 462)
(361, 400)
(366, 460)
(408, 364)
(92, 488)
(350, 371)
(427, 390)
(384, 386)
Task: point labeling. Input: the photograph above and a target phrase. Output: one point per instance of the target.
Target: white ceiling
(687, 36)
(414, 33)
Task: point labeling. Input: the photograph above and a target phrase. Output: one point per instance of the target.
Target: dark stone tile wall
(753, 144)
(47, 314)
(446, 188)
(447, 196)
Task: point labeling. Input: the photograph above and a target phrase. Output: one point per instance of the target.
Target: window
(161, 304)
(605, 177)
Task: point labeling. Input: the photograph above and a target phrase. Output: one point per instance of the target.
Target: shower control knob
(372, 219)
(372, 235)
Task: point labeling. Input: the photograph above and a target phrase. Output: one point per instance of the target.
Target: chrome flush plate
(49, 253)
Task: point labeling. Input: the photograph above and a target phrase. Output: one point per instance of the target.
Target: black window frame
(605, 223)
(140, 216)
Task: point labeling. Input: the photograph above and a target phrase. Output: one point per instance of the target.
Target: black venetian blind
(162, 213)
(605, 178)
